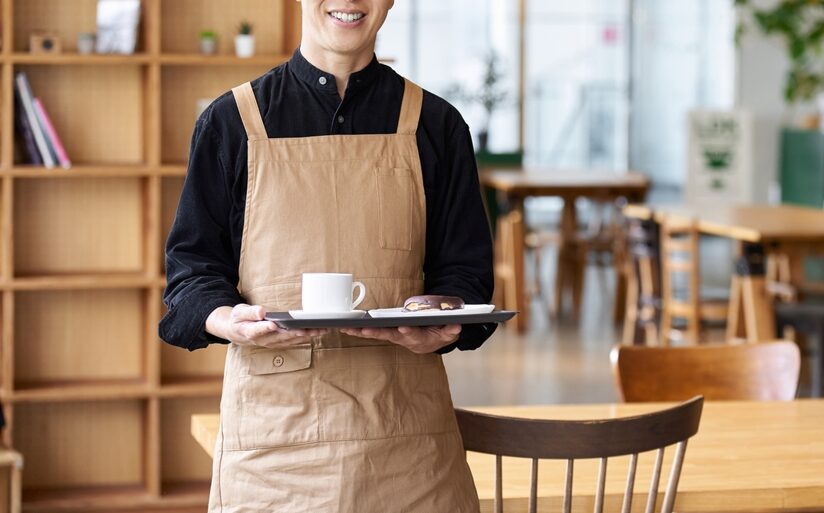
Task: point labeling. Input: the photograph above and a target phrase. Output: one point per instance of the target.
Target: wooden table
(747, 456)
(781, 231)
(513, 186)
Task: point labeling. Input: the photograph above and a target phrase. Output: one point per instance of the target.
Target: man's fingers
(451, 330)
(252, 330)
(248, 313)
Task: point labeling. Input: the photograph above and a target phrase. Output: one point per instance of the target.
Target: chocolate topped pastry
(418, 303)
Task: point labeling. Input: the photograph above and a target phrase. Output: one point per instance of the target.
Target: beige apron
(343, 424)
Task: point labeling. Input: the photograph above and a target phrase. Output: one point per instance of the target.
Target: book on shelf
(25, 132)
(53, 140)
(46, 141)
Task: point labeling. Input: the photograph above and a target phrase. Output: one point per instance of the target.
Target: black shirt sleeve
(458, 258)
(201, 267)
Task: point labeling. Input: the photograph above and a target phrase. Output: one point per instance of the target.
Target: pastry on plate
(431, 302)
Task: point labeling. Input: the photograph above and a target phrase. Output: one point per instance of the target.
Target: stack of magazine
(40, 142)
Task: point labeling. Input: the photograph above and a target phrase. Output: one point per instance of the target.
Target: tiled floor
(554, 362)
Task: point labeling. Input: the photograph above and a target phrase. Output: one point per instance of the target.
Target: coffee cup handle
(361, 296)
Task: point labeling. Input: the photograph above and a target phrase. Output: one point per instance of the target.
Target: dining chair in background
(803, 323)
(571, 440)
(763, 371)
(509, 267)
(687, 306)
(642, 316)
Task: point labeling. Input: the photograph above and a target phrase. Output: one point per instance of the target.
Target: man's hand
(244, 325)
(417, 340)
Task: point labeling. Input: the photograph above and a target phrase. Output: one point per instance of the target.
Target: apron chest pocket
(276, 361)
(395, 188)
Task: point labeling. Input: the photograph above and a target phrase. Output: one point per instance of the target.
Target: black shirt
(297, 99)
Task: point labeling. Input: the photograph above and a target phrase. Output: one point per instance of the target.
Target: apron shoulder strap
(410, 108)
(249, 111)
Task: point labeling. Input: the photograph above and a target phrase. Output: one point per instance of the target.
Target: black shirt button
(340, 119)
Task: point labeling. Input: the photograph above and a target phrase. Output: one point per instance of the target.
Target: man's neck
(341, 66)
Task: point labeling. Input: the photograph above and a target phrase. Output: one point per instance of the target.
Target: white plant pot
(244, 45)
(208, 46)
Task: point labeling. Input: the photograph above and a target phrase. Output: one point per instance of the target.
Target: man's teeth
(346, 17)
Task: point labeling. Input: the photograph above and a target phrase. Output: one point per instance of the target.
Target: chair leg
(580, 269)
(631, 313)
(817, 361)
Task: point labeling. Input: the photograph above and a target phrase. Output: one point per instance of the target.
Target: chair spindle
(602, 483)
(568, 487)
(533, 492)
(633, 465)
(675, 474)
(499, 491)
(653, 486)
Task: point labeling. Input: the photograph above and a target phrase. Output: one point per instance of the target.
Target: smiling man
(330, 162)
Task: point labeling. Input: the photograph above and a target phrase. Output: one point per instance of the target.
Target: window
(608, 83)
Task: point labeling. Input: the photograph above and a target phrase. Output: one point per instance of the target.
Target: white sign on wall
(719, 154)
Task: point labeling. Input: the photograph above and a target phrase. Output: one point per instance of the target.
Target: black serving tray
(286, 321)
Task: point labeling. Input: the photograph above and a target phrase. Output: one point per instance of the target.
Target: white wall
(760, 68)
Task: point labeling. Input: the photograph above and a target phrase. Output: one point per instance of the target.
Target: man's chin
(347, 47)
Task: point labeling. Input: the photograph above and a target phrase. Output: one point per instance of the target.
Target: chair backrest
(644, 288)
(509, 264)
(572, 440)
(679, 257)
(763, 371)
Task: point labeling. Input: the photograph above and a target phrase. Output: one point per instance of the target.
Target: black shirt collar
(314, 77)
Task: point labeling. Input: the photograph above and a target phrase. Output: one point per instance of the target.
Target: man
(330, 162)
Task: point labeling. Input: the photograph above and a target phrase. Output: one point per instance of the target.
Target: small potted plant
(208, 42)
(489, 95)
(245, 40)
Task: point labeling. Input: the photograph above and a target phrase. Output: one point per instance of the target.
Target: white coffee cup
(330, 292)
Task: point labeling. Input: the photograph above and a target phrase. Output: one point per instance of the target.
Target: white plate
(300, 314)
(398, 312)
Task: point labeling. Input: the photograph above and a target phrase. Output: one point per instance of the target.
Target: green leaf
(798, 48)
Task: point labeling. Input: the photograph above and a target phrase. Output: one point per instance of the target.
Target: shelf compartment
(66, 19)
(191, 387)
(78, 336)
(194, 495)
(87, 499)
(58, 222)
(182, 87)
(70, 446)
(182, 21)
(183, 462)
(108, 100)
(181, 367)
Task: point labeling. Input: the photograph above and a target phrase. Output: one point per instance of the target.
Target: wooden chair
(763, 371)
(642, 318)
(572, 440)
(679, 256)
(804, 324)
(509, 267)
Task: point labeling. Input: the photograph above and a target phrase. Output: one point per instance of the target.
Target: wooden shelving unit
(96, 404)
